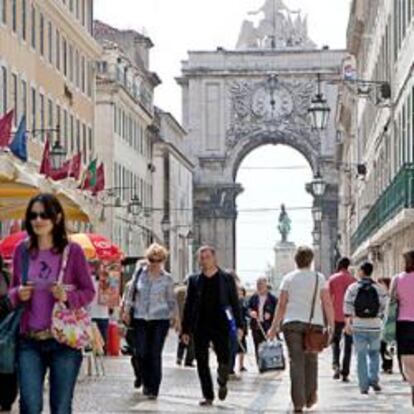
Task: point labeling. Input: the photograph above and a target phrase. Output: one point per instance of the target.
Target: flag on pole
(19, 144)
(45, 165)
(75, 166)
(5, 129)
(89, 177)
(61, 173)
(100, 179)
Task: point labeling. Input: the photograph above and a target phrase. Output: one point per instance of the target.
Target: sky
(177, 26)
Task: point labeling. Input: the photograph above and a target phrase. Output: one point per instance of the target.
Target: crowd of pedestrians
(50, 286)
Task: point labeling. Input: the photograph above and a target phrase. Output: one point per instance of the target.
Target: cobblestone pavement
(268, 393)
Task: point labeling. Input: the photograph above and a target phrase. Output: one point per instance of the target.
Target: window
(42, 112)
(50, 114)
(84, 144)
(57, 49)
(14, 15)
(24, 23)
(89, 80)
(3, 11)
(42, 34)
(24, 97)
(71, 5)
(50, 42)
(115, 114)
(78, 137)
(65, 57)
(65, 129)
(58, 117)
(83, 12)
(83, 75)
(34, 109)
(33, 18)
(77, 69)
(90, 144)
(3, 90)
(72, 134)
(15, 98)
(71, 63)
(90, 16)
(77, 8)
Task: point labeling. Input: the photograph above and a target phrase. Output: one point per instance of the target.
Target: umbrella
(95, 246)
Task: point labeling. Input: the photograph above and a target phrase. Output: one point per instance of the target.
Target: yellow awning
(19, 183)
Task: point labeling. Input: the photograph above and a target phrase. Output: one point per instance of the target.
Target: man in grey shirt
(364, 306)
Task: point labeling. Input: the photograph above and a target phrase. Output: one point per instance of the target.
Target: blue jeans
(149, 343)
(34, 358)
(367, 348)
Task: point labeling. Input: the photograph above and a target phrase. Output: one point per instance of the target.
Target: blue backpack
(10, 326)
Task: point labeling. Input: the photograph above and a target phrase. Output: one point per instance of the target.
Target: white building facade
(376, 210)
(173, 199)
(124, 114)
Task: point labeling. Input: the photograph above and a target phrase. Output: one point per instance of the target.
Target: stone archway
(236, 101)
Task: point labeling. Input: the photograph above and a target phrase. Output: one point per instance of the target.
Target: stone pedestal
(284, 262)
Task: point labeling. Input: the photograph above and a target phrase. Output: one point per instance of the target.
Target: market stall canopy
(95, 246)
(19, 182)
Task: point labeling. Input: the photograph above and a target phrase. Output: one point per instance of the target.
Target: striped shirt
(155, 298)
(365, 324)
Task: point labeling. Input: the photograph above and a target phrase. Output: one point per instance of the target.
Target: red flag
(75, 166)
(5, 128)
(100, 179)
(45, 165)
(61, 173)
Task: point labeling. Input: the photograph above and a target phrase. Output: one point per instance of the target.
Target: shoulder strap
(25, 264)
(314, 297)
(134, 284)
(64, 264)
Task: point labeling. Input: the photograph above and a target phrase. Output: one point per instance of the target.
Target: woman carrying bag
(58, 288)
(8, 382)
(303, 305)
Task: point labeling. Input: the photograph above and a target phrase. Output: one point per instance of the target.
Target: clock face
(264, 105)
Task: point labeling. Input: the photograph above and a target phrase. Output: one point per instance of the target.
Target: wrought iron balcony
(398, 195)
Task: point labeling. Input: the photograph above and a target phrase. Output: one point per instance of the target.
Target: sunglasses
(153, 260)
(33, 215)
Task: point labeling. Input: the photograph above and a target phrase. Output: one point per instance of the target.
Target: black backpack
(367, 302)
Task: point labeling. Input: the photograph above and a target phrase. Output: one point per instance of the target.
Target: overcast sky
(176, 26)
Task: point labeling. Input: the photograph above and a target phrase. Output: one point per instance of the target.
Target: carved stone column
(215, 216)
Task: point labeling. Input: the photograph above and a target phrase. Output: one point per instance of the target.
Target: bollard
(114, 340)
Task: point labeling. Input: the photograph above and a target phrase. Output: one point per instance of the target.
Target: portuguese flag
(89, 176)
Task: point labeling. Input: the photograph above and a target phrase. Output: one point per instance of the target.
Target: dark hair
(367, 268)
(343, 263)
(409, 261)
(304, 256)
(54, 210)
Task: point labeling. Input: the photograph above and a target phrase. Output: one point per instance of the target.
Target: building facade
(47, 60)
(173, 179)
(124, 116)
(376, 212)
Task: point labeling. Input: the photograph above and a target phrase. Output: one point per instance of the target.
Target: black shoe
(364, 392)
(205, 403)
(137, 383)
(345, 379)
(337, 375)
(189, 365)
(298, 410)
(243, 369)
(376, 387)
(222, 393)
(179, 362)
(152, 397)
(146, 392)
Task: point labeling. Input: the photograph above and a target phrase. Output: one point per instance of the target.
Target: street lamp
(318, 185)
(316, 237)
(165, 224)
(135, 205)
(319, 109)
(57, 155)
(317, 213)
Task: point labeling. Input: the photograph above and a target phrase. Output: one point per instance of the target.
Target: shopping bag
(271, 356)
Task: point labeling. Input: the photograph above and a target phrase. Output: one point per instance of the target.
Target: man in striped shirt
(364, 306)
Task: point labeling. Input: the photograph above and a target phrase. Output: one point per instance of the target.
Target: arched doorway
(270, 175)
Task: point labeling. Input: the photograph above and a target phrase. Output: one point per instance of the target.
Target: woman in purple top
(38, 351)
(402, 289)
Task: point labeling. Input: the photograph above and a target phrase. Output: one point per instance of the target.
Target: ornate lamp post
(319, 110)
(57, 155)
(318, 185)
(135, 205)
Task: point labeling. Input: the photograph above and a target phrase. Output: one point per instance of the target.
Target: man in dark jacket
(262, 307)
(211, 314)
